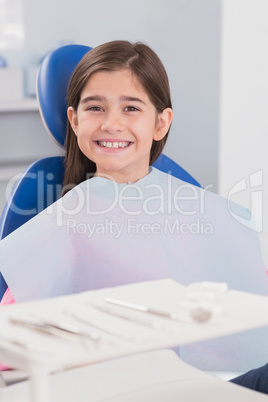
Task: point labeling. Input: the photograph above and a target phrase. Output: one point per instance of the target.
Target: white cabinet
(23, 139)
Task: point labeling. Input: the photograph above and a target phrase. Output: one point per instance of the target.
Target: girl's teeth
(108, 144)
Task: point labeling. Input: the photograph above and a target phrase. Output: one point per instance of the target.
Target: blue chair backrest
(167, 165)
(41, 184)
(37, 188)
(53, 78)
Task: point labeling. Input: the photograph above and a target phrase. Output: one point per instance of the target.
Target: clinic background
(216, 56)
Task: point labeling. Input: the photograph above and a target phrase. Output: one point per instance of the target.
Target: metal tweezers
(65, 330)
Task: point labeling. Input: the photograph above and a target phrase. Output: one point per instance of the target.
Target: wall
(243, 162)
(185, 34)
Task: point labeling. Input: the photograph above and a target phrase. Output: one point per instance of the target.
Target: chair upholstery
(53, 78)
(37, 188)
(41, 184)
(167, 165)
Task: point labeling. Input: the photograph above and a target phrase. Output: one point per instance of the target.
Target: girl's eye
(131, 109)
(95, 108)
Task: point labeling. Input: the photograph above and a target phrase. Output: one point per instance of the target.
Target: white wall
(244, 109)
(185, 34)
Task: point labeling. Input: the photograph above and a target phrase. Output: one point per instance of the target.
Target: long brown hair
(146, 66)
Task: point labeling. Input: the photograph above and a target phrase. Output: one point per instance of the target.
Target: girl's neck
(122, 178)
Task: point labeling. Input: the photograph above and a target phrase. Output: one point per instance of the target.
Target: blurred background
(216, 56)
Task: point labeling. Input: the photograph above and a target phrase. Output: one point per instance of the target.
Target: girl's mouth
(114, 144)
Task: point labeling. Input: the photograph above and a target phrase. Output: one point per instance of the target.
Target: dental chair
(40, 185)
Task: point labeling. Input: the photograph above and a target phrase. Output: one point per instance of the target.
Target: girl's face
(116, 123)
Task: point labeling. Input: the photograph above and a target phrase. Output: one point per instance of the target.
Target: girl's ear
(164, 120)
(72, 117)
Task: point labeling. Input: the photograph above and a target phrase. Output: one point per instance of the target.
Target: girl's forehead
(123, 79)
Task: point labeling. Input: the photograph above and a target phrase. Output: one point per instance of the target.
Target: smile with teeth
(115, 144)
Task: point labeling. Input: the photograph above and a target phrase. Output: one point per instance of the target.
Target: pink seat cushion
(7, 299)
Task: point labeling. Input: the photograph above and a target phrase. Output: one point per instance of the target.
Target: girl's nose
(112, 122)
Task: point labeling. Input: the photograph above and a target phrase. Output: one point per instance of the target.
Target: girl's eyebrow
(97, 98)
(100, 98)
(131, 99)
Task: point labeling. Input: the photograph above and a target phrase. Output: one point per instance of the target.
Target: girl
(121, 221)
(136, 72)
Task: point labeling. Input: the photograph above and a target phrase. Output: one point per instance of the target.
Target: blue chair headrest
(52, 82)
